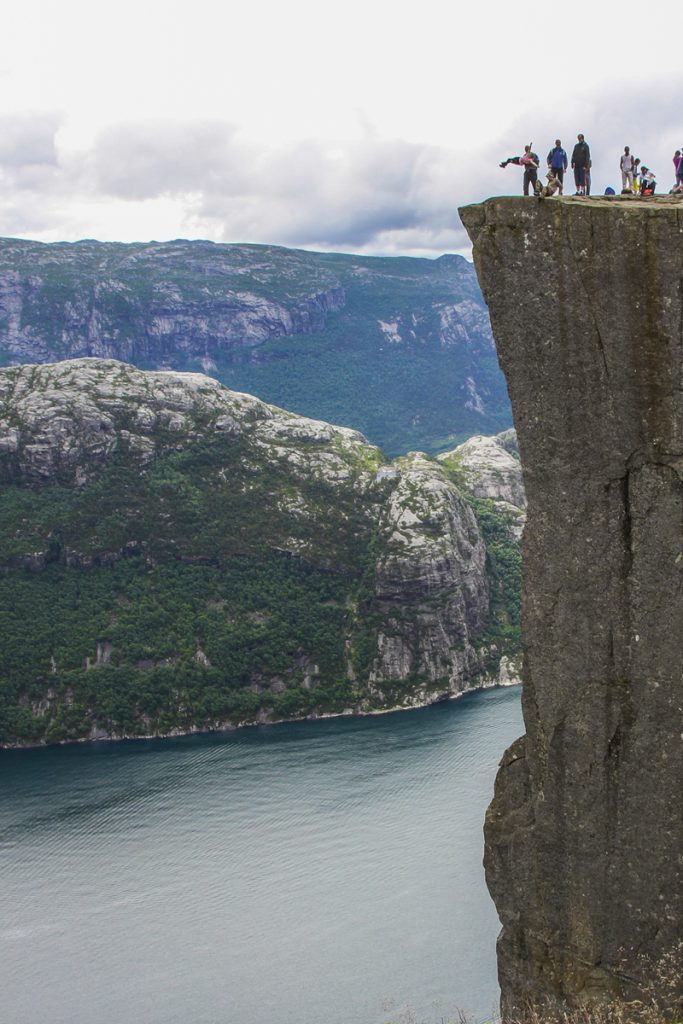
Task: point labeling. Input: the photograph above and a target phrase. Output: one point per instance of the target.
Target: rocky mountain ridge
(193, 301)
(400, 347)
(163, 539)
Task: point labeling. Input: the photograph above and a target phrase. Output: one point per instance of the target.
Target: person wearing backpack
(581, 162)
(627, 167)
(557, 163)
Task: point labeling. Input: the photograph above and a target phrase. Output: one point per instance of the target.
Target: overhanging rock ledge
(584, 837)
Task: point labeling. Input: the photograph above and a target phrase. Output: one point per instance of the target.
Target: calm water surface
(301, 874)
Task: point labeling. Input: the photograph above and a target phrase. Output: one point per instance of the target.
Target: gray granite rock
(584, 838)
(489, 467)
(430, 582)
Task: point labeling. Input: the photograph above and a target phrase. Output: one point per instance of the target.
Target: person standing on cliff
(530, 162)
(557, 163)
(678, 170)
(626, 166)
(581, 161)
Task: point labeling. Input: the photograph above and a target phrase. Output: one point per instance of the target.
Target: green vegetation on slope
(175, 557)
(504, 569)
(411, 394)
(276, 630)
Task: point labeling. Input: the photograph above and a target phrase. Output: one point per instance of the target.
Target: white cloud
(362, 127)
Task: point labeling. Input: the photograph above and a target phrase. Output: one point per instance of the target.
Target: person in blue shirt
(557, 163)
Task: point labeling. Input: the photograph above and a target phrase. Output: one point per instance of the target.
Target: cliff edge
(584, 837)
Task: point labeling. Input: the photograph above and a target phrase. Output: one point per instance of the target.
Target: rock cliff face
(490, 468)
(155, 303)
(584, 838)
(175, 555)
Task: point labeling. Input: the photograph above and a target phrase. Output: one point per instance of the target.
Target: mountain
(178, 556)
(399, 348)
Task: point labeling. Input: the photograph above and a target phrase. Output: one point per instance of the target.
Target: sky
(353, 127)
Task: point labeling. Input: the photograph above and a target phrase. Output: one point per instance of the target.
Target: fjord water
(313, 873)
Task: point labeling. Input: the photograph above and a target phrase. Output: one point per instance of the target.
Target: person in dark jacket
(581, 162)
(557, 163)
(530, 162)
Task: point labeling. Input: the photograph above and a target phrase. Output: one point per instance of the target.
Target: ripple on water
(287, 875)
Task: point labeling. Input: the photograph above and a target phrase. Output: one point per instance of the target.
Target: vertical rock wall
(584, 838)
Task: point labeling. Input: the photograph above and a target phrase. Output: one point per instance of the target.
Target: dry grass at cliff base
(617, 1012)
(661, 985)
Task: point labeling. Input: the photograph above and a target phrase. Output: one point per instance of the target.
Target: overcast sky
(354, 126)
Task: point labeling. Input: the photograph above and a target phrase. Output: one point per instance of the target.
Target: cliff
(177, 556)
(584, 837)
(399, 347)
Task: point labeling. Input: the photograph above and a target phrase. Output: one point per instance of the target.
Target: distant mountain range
(398, 348)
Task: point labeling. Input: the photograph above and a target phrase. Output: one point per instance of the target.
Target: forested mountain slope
(177, 556)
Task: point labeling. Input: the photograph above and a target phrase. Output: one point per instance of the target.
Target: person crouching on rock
(648, 183)
(554, 185)
(530, 162)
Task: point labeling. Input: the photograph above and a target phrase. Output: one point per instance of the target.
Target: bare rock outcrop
(584, 838)
(430, 582)
(489, 467)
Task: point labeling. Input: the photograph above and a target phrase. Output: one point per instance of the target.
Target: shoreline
(228, 728)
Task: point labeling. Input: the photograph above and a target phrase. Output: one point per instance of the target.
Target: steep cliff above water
(584, 838)
(400, 348)
(175, 556)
